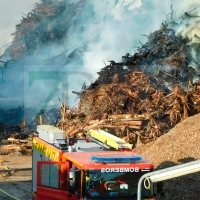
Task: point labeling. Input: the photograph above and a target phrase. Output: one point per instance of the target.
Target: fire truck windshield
(101, 184)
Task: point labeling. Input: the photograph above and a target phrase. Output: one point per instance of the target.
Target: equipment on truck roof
(75, 169)
(108, 140)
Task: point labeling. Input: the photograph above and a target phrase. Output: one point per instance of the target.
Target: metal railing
(168, 173)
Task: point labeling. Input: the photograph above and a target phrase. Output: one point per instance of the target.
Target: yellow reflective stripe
(48, 152)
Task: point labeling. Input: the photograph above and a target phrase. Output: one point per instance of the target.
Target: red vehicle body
(88, 173)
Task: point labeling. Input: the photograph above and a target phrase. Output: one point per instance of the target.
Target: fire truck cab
(69, 169)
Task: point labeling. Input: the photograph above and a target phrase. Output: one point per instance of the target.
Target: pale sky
(10, 15)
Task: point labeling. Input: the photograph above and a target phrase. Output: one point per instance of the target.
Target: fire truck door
(51, 180)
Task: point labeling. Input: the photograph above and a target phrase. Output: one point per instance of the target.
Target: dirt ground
(17, 180)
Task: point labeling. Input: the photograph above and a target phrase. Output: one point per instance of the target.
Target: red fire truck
(70, 169)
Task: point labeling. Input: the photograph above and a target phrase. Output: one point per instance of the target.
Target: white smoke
(10, 15)
(115, 28)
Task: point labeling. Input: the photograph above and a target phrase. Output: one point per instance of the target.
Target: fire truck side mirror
(74, 179)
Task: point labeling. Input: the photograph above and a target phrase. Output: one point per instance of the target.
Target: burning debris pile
(140, 98)
(35, 29)
(145, 95)
(16, 138)
(50, 22)
(11, 116)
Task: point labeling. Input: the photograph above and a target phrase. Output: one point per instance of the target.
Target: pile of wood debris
(142, 97)
(17, 146)
(130, 109)
(16, 139)
(138, 99)
(33, 27)
(48, 23)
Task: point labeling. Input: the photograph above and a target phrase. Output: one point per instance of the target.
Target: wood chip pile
(180, 145)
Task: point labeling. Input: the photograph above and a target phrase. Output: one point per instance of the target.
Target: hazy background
(111, 28)
(10, 15)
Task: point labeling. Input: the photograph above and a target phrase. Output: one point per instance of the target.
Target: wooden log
(129, 117)
(109, 126)
(74, 132)
(68, 128)
(41, 120)
(135, 127)
(122, 116)
(118, 126)
(168, 95)
(93, 121)
(134, 123)
(87, 128)
(80, 135)
(13, 140)
(10, 148)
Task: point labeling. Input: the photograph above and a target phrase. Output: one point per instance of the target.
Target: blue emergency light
(116, 159)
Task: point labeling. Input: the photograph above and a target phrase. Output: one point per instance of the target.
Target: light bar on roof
(116, 159)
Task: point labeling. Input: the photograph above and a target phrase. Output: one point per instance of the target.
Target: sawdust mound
(179, 145)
